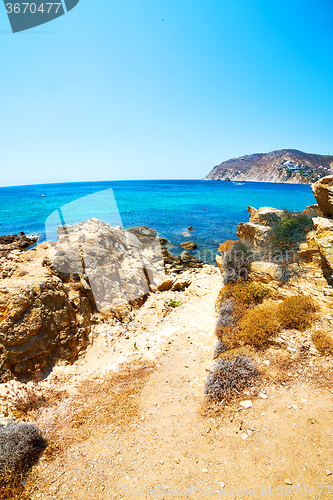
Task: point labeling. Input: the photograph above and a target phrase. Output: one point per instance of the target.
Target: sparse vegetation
(247, 292)
(297, 312)
(289, 231)
(259, 325)
(21, 444)
(174, 303)
(229, 376)
(25, 397)
(323, 342)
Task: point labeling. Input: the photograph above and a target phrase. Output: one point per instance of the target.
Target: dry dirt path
(171, 450)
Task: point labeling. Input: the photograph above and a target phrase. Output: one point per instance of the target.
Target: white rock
(246, 404)
(244, 435)
(328, 472)
(262, 395)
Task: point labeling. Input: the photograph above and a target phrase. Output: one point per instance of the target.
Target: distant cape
(282, 166)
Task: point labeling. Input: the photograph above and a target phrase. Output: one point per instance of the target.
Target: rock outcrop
(42, 319)
(285, 165)
(256, 232)
(50, 295)
(323, 192)
(189, 245)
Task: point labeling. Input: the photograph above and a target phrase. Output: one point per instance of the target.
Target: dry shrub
(22, 398)
(247, 292)
(230, 376)
(21, 444)
(226, 246)
(259, 325)
(323, 342)
(219, 348)
(297, 312)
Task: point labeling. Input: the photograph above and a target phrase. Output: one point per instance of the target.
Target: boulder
(121, 266)
(323, 192)
(323, 237)
(265, 215)
(41, 320)
(189, 260)
(189, 245)
(265, 272)
(313, 211)
(253, 234)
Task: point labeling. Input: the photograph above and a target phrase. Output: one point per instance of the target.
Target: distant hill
(285, 165)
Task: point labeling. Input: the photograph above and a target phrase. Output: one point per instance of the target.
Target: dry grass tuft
(323, 342)
(282, 366)
(259, 325)
(109, 401)
(297, 312)
(13, 488)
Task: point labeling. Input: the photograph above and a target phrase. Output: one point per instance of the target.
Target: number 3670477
(31, 8)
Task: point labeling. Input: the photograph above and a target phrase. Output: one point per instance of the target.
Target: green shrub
(297, 312)
(289, 231)
(259, 325)
(229, 376)
(323, 342)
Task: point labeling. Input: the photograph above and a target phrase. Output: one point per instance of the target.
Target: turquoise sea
(212, 208)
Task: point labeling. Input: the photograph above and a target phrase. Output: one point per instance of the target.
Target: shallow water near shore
(212, 208)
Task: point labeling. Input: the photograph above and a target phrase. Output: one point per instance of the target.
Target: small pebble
(246, 404)
(244, 435)
(263, 395)
(288, 481)
(328, 472)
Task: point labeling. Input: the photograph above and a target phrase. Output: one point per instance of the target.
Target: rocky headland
(281, 166)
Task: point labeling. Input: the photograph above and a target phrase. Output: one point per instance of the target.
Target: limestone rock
(264, 215)
(313, 211)
(189, 245)
(323, 192)
(265, 272)
(252, 234)
(323, 237)
(40, 322)
(189, 260)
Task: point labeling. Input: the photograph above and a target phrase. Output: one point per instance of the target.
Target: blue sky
(112, 91)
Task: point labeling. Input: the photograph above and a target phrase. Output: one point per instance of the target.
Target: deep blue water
(213, 208)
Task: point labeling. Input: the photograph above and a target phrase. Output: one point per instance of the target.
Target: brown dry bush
(259, 325)
(248, 293)
(297, 312)
(323, 342)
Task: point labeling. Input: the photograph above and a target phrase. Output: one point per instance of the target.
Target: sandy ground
(280, 447)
